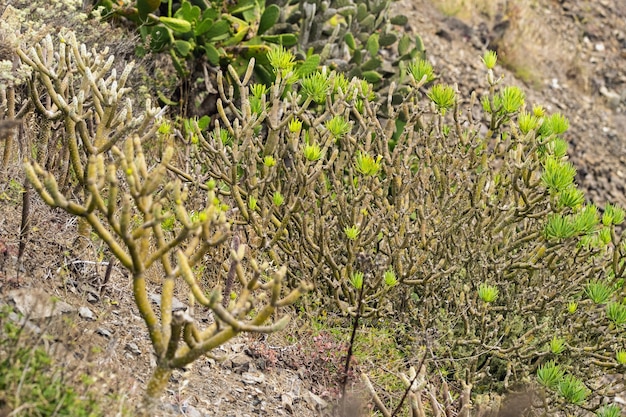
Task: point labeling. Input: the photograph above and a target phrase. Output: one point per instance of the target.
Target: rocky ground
(569, 56)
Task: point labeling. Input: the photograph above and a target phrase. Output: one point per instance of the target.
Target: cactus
(128, 205)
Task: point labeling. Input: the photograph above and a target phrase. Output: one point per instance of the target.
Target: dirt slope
(569, 56)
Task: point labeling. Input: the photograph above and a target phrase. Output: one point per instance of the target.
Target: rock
(238, 363)
(132, 348)
(286, 400)
(315, 401)
(37, 304)
(86, 313)
(104, 332)
(176, 304)
(252, 378)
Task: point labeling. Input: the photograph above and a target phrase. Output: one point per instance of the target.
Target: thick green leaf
(147, 6)
(361, 12)
(357, 57)
(242, 6)
(212, 54)
(210, 13)
(372, 64)
(177, 25)
(349, 39)
(183, 47)
(387, 39)
(372, 77)
(204, 122)
(309, 66)
(399, 20)
(269, 18)
(404, 45)
(218, 31)
(372, 44)
(188, 12)
(285, 39)
(368, 23)
(203, 27)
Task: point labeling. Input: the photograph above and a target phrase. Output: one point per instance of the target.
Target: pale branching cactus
(410, 211)
(81, 91)
(141, 213)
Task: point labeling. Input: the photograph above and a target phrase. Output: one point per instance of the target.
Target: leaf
(387, 39)
(177, 25)
(284, 39)
(242, 6)
(361, 12)
(372, 44)
(399, 20)
(188, 12)
(404, 45)
(357, 57)
(159, 37)
(144, 7)
(308, 66)
(203, 27)
(367, 24)
(212, 54)
(204, 122)
(218, 31)
(371, 64)
(269, 18)
(349, 39)
(183, 47)
(372, 77)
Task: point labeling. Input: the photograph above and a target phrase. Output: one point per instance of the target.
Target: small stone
(239, 363)
(86, 313)
(104, 332)
(37, 304)
(315, 401)
(176, 304)
(133, 348)
(253, 378)
(287, 402)
(599, 47)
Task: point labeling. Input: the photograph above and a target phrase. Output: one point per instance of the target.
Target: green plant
(351, 35)
(598, 291)
(190, 30)
(557, 345)
(611, 410)
(616, 312)
(487, 293)
(573, 389)
(126, 204)
(550, 375)
(442, 205)
(32, 382)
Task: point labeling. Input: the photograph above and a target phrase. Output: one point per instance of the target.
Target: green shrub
(32, 382)
(483, 227)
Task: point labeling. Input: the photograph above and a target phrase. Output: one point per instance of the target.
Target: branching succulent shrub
(140, 212)
(481, 239)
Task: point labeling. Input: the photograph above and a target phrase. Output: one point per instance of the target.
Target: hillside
(569, 56)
